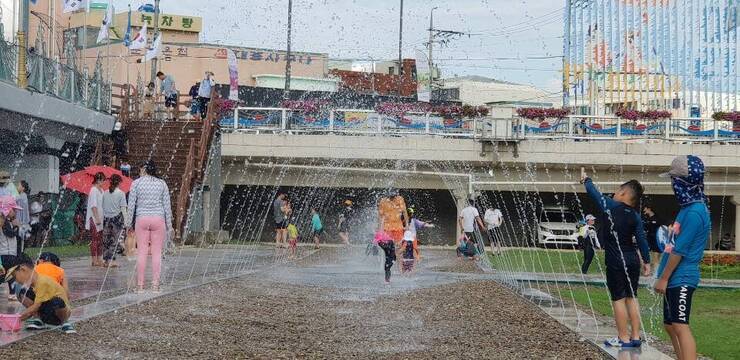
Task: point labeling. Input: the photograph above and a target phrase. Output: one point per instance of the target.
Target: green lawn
(64, 252)
(569, 261)
(715, 316)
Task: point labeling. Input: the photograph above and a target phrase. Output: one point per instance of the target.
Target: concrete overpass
(464, 165)
(503, 166)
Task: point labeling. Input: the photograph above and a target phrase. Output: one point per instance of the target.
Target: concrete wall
(531, 163)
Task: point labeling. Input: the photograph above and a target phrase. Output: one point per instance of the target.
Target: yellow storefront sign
(168, 21)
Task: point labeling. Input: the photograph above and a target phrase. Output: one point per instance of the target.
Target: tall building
(651, 54)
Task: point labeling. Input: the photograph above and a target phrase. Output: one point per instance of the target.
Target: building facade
(651, 54)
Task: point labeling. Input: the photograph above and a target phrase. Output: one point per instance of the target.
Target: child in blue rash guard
(678, 273)
(621, 225)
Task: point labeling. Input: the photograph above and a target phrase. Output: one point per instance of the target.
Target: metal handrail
(53, 78)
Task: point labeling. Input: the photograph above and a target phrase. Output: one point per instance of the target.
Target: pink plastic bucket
(10, 322)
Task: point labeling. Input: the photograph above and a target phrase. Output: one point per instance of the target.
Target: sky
(511, 40)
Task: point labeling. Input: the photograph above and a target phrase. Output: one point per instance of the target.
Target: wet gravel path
(317, 311)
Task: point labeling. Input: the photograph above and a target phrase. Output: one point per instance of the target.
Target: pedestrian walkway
(590, 327)
(594, 279)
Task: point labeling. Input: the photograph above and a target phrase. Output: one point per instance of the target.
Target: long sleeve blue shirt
(621, 230)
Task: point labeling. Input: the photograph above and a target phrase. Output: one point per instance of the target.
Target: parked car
(557, 226)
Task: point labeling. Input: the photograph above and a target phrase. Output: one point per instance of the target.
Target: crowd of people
(41, 286)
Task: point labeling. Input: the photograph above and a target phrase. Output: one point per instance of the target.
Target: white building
(503, 97)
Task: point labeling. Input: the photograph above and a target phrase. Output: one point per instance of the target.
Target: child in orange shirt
(49, 265)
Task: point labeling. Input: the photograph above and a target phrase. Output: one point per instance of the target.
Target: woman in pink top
(149, 202)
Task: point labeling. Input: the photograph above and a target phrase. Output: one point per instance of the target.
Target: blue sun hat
(687, 179)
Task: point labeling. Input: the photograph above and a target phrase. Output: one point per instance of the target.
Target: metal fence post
(619, 128)
(427, 128)
(236, 117)
(331, 120)
(667, 128)
(716, 129)
(73, 86)
(522, 133)
(57, 75)
(283, 119)
(570, 126)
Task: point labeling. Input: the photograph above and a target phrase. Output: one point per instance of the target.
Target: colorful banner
(233, 76)
(423, 77)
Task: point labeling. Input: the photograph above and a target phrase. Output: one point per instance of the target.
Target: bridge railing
(345, 121)
(610, 128)
(581, 127)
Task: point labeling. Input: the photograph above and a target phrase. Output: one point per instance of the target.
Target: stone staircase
(173, 146)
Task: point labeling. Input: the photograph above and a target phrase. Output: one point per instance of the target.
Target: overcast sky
(506, 33)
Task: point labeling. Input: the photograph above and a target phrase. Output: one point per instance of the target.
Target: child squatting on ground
(620, 224)
(678, 273)
(45, 299)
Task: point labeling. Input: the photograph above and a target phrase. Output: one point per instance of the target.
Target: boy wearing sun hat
(678, 273)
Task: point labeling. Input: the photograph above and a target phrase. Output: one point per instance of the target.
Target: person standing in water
(394, 215)
(384, 241)
(94, 219)
(317, 228)
(151, 220)
(413, 227)
(345, 219)
(114, 211)
(281, 221)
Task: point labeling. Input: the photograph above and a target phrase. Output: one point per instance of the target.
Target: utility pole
(430, 47)
(444, 36)
(286, 93)
(23, 44)
(400, 54)
(156, 33)
(566, 51)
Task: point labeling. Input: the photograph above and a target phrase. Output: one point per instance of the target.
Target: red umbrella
(82, 181)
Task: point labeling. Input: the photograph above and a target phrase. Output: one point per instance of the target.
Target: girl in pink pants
(150, 231)
(149, 202)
